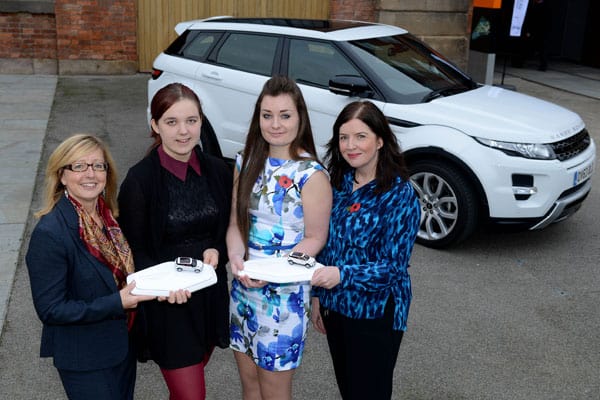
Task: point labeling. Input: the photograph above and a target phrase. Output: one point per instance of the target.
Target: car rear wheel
(449, 206)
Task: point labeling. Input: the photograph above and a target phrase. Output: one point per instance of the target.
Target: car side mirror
(350, 85)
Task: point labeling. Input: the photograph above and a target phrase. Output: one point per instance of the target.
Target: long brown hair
(390, 160)
(69, 151)
(256, 150)
(163, 100)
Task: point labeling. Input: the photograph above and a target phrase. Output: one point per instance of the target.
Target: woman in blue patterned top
(363, 294)
(281, 203)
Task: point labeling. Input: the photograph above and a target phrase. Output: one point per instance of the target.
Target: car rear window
(194, 45)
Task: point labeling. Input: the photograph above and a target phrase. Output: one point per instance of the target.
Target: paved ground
(25, 103)
(504, 317)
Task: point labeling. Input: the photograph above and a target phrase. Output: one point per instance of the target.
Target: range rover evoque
(475, 152)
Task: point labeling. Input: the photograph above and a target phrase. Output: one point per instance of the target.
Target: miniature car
(188, 264)
(298, 258)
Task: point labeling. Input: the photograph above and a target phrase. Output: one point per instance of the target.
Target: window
(408, 68)
(249, 52)
(201, 44)
(314, 62)
(193, 45)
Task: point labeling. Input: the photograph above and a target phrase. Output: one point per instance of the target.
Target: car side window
(193, 44)
(314, 62)
(199, 47)
(248, 52)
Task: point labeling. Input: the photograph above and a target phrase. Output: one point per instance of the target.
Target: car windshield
(409, 71)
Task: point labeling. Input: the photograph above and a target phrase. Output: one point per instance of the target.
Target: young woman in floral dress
(281, 203)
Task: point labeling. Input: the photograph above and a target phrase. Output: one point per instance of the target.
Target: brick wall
(27, 35)
(28, 41)
(96, 36)
(68, 37)
(359, 10)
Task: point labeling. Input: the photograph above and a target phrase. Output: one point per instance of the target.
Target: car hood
(495, 113)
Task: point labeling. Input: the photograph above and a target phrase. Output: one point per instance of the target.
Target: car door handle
(214, 75)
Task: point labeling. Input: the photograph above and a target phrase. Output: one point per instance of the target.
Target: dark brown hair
(164, 99)
(390, 161)
(256, 150)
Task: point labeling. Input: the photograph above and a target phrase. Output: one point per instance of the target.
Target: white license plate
(583, 174)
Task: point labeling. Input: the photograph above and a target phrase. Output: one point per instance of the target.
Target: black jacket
(173, 335)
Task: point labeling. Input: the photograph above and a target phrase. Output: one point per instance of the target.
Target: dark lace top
(190, 227)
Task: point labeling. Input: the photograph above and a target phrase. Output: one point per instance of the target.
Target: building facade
(123, 36)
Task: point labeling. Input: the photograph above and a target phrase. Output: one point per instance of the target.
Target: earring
(66, 193)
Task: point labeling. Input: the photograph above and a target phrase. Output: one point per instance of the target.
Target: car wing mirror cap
(350, 85)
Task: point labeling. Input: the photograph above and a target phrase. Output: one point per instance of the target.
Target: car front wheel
(449, 206)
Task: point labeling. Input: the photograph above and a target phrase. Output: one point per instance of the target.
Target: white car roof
(337, 30)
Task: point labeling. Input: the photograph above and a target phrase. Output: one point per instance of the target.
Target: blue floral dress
(269, 324)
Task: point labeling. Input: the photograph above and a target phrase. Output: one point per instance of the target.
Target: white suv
(476, 153)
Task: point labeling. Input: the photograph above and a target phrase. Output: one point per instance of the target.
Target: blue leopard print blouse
(371, 237)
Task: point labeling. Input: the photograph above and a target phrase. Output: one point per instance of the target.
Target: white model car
(188, 264)
(475, 152)
(303, 259)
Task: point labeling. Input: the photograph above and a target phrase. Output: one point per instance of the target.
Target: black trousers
(364, 353)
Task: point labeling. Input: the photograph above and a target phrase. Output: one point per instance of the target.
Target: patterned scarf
(109, 246)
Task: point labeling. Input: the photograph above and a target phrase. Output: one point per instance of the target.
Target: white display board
(278, 270)
(160, 279)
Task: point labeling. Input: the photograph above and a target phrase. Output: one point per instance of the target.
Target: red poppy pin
(354, 207)
(285, 182)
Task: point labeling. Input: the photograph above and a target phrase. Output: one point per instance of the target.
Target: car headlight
(537, 151)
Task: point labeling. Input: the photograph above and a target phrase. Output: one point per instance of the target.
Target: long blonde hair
(69, 151)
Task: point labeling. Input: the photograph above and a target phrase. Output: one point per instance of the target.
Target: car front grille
(569, 148)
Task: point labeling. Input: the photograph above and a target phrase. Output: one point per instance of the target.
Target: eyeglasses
(82, 167)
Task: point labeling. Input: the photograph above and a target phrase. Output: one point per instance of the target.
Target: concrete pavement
(564, 76)
(25, 106)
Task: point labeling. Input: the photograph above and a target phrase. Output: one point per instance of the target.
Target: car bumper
(553, 194)
(563, 208)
